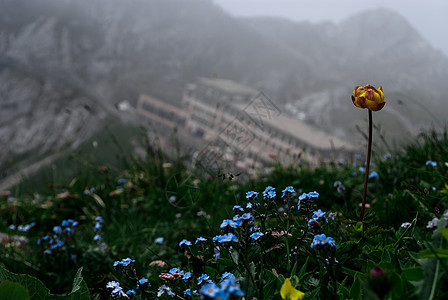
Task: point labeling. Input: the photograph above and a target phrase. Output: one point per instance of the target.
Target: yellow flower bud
(289, 293)
(368, 97)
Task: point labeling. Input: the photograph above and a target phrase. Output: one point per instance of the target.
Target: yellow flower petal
(289, 293)
(368, 97)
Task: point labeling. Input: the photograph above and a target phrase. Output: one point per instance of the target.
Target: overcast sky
(429, 17)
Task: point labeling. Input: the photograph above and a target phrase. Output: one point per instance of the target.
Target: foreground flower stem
(248, 269)
(366, 177)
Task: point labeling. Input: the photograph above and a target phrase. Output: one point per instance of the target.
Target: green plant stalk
(261, 277)
(234, 262)
(246, 264)
(366, 177)
(263, 226)
(300, 243)
(332, 275)
(434, 283)
(414, 221)
(287, 243)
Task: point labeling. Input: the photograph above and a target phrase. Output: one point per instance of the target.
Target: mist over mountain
(65, 63)
(377, 47)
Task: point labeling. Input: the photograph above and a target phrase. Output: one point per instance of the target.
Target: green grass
(140, 211)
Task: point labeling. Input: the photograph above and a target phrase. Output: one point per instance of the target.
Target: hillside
(65, 64)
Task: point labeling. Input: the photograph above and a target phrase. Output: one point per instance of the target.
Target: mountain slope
(83, 56)
(377, 47)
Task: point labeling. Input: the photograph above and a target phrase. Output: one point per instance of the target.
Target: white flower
(432, 224)
(405, 225)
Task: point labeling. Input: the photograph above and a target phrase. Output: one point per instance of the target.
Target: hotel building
(243, 128)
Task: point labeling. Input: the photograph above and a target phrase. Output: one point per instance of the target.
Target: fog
(428, 17)
(71, 69)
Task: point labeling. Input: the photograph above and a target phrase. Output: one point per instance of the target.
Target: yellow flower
(368, 97)
(290, 293)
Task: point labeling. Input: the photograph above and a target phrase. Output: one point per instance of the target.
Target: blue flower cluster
(256, 235)
(23, 228)
(97, 229)
(321, 241)
(59, 237)
(124, 263)
(184, 243)
(143, 282)
(237, 209)
(228, 286)
(117, 291)
(307, 199)
(269, 192)
(226, 239)
(251, 195)
(431, 163)
(164, 289)
(230, 223)
(288, 191)
(373, 174)
(319, 214)
(405, 225)
(339, 187)
(89, 191)
(67, 226)
(204, 278)
(201, 240)
(189, 293)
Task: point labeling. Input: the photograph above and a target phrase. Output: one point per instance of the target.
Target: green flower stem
(234, 262)
(366, 177)
(261, 276)
(404, 233)
(287, 244)
(247, 266)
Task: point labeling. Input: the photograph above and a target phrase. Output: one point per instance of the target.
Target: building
(249, 130)
(241, 127)
(161, 112)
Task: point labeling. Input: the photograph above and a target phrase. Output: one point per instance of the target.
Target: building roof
(300, 130)
(296, 128)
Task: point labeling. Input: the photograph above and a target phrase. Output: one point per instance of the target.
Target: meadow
(152, 227)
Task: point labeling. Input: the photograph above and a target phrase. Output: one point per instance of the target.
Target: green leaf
(79, 287)
(444, 232)
(354, 273)
(246, 284)
(34, 286)
(235, 256)
(431, 267)
(385, 257)
(269, 289)
(281, 278)
(342, 284)
(225, 261)
(37, 289)
(13, 291)
(270, 274)
(414, 256)
(355, 290)
(358, 227)
(303, 270)
(441, 253)
(99, 200)
(294, 269)
(210, 271)
(413, 274)
(343, 291)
